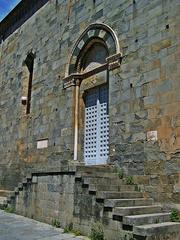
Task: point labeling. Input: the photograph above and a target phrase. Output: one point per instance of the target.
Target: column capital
(114, 61)
(72, 80)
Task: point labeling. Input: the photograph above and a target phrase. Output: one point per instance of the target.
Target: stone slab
(16, 227)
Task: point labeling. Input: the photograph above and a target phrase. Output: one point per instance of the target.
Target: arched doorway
(95, 93)
(94, 55)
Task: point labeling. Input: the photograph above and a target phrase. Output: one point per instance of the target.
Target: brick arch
(93, 31)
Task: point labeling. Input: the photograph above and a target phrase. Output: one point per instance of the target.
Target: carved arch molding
(75, 76)
(93, 31)
(108, 37)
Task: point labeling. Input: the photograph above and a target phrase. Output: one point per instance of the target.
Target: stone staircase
(139, 217)
(7, 197)
(125, 212)
(4, 196)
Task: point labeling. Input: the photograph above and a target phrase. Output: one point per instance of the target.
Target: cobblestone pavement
(15, 227)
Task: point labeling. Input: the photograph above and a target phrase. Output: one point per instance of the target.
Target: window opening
(95, 55)
(29, 62)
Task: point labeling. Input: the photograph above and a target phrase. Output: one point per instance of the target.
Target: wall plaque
(152, 136)
(42, 143)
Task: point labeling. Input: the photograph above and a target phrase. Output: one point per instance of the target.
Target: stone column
(76, 119)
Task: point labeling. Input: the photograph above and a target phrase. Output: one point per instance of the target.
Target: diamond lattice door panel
(96, 140)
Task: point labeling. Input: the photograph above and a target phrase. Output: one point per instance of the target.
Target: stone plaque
(152, 136)
(43, 143)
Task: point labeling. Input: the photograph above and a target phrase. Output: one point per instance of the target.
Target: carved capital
(114, 61)
(72, 80)
(68, 82)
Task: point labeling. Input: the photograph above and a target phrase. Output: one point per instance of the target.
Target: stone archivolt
(92, 34)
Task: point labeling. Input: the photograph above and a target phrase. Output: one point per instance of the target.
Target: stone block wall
(48, 198)
(144, 92)
(163, 188)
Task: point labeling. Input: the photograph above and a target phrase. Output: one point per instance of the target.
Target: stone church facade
(91, 83)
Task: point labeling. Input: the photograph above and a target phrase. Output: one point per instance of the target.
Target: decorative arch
(96, 31)
(83, 63)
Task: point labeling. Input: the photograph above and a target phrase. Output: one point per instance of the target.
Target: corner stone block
(35, 179)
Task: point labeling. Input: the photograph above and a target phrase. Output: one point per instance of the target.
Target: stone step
(123, 195)
(16, 190)
(111, 180)
(3, 202)
(146, 218)
(118, 188)
(97, 174)
(26, 181)
(96, 168)
(11, 196)
(29, 176)
(156, 229)
(20, 186)
(5, 193)
(125, 211)
(128, 202)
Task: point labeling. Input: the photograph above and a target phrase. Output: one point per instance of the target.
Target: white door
(96, 140)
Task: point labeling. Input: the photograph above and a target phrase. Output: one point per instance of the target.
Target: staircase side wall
(51, 197)
(48, 198)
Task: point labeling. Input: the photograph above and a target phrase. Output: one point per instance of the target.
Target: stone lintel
(112, 62)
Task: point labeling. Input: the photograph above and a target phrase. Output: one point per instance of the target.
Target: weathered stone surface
(49, 197)
(17, 227)
(143, 96)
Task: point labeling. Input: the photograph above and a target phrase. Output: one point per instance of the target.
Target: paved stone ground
(15, 227)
